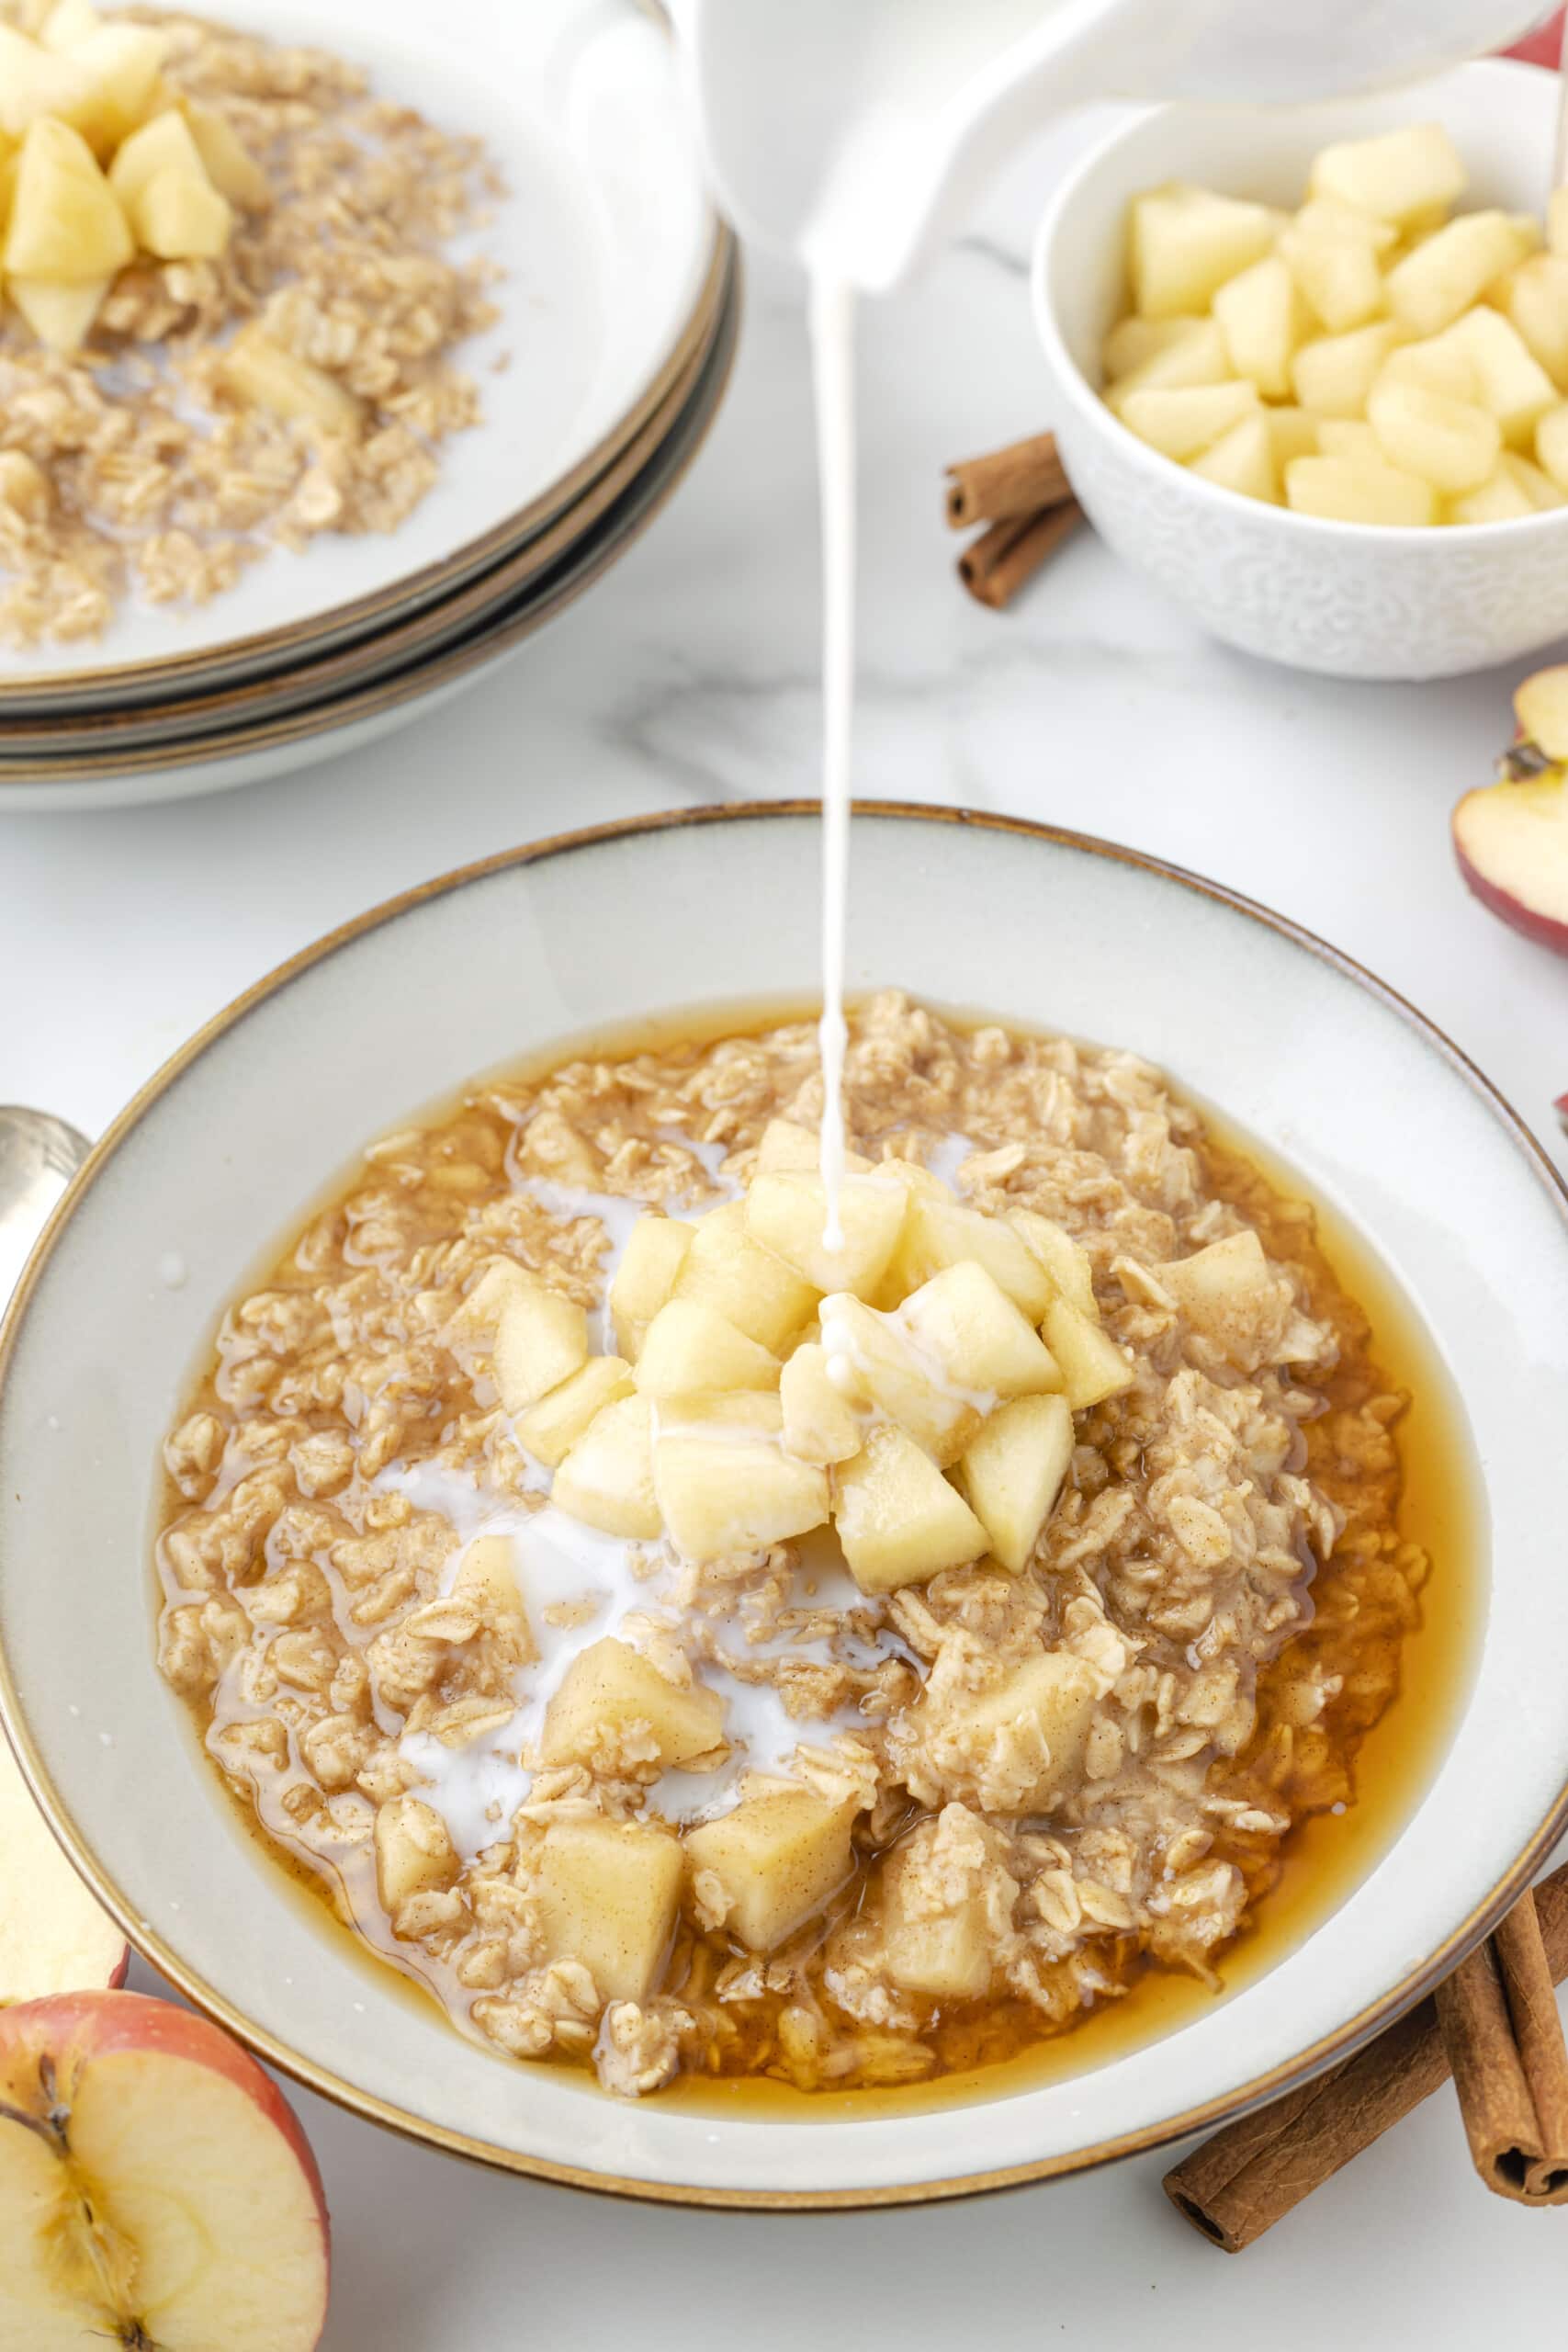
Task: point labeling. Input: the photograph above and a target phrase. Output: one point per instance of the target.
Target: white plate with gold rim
(1304, 1051)
(270, 736)
(613, 260)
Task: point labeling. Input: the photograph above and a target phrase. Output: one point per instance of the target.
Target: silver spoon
(39, 1156)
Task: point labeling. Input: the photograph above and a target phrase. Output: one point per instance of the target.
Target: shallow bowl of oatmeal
(732, 1747)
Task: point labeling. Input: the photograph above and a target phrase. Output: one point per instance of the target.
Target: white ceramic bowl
(215, 1159)
(1357, 600)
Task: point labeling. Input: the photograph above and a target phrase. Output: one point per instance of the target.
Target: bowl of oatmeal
(623, 1685)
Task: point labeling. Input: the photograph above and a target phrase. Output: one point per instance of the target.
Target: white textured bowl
(1356, 600)
(229, 1143)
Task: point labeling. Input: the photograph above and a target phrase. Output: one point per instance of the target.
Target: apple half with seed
(54, 1937)
(156, 2193)
(1511, 837)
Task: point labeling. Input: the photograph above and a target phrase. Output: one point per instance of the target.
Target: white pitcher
(854, 133)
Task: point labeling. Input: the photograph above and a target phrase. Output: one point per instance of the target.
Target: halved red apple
(54, 1937)
(1511, 837)
(155, 2191)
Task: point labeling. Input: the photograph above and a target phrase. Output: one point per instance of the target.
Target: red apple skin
(1543, 929)
(72, 2029)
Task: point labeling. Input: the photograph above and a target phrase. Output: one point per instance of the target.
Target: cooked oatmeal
(627, 1789)
(148, 468)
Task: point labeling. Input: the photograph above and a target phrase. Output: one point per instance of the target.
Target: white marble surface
(689, 675)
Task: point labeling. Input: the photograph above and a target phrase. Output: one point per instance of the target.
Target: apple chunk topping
(655, 1251)
(606, 1894)
(540, 1341)
(689, 1347)
(608, 1687)
(787, 1213)
(767, 1868)
(977, 1335)
(607, 1480)
(1013, 1472)
(727, 1270)
(898, 1520)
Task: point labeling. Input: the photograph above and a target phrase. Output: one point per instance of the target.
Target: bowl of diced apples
(1310, 370)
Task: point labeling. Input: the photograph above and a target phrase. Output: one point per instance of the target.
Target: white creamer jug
(859, 131)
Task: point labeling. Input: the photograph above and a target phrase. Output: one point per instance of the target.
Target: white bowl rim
(1075, 386)
(1417, 1980)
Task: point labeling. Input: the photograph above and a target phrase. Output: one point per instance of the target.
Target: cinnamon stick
(1251, 2175)
(1007, 484)
(995, 566)
(1504, 2041)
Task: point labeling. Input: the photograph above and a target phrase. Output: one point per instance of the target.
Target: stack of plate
(619, 306)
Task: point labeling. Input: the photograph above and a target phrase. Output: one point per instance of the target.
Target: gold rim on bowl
(1417, 1980)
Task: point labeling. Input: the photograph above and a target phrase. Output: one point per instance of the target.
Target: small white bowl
(1357, 600)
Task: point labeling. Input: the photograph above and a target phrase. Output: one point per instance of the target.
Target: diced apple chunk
(787, 1213)
(1093, 1367)
(120, 65)
(1133, 342)
(945, 1953)
(1538, 487)
(1436, 282)
(690, 1348)
(872, 1361)
(256, 369)
(940, 1231)
(1451, 443)
(68, 22)
(608, 1687)
(1438, 364)
(1059, 1691)
(229, 165)
(607, 1480)
(786, 1148)
(60, 316)
(655, 1251)
(1397, 175)
(1325, 219)
(1498, 500)
(1243, 461)
(1551, 444)
(501, 1280)
(165, 144)
(487, 1578)
(1347, 490)
(1013, 1472)
(1535, 301)
(552, 1428)
(724, 1269)
(1338, 277)
(1184, 422)
(413, 1852)
(778, 1860)
(1293, 432)
(1186, 242)
(1333, 373)
(607, 1894)
(180, 216)
(976, 1335)
(66, 224)
(1261, 315)
(819, 1424)
(1067, 1267)
(721, 1496)
(1350, 436)
(900, 1522)
(1509, 382)
(1218, 1289)
(1196, 355)
(540, 1341)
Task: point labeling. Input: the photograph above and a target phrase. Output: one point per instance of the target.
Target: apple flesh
(155, 2191)
(54, 1937)
(1511, 837)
